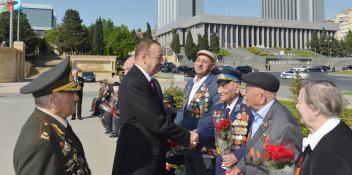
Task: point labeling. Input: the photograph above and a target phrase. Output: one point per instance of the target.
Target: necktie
(228, 112)
(153, 83)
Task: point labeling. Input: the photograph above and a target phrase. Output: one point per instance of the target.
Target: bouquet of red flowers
(223, 135)
(278, 159)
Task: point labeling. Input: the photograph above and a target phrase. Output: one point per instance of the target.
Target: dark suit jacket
(142, 142)
(281, 128)
(80, 92)
(332, 155)
(45, 146)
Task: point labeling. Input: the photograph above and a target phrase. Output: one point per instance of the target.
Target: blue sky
(135, 13)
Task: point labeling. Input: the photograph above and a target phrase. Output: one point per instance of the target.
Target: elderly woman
(327, 149)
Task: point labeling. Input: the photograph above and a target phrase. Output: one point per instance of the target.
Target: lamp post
(11, 3)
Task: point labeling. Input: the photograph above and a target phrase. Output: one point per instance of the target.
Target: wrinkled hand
(235, 171)
(229, 159)
(194, 139)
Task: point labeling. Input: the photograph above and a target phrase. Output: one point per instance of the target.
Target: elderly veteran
(327, 150)
(200, 95)
(232, 107)
(272, 123)
(47, 143)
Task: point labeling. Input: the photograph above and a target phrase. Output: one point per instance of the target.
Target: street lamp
(329, 40)
(11, 3)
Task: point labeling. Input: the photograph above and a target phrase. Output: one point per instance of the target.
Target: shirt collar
(201, 80)
(232, 105)
(59, 119)
(314, 138)
(145, 73)
(264, 110)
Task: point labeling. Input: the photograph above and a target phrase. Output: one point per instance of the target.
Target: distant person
(128, 64)
(327, 149)
(47, 144)
(78, 105)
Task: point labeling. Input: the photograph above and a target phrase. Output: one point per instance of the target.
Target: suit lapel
(261, 129)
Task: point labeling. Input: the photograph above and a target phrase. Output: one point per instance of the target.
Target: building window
(194, 7)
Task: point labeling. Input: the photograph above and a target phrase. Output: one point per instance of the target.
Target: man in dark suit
(272, 123)
(78, 80)
(47, 143)
(142, 145)
(327, 149)
(200, 96)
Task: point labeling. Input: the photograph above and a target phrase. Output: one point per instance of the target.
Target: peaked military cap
(57, 79)
(228, 74)
(262, 80)
(209, 54)
(168, 98)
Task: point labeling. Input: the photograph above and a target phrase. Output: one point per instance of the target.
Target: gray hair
(324, 96)
(41, 101)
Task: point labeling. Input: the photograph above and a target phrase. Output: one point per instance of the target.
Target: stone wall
(12, 63)
(104, 67)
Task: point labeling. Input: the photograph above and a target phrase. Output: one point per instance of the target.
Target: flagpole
(11, 25)
(18, 25)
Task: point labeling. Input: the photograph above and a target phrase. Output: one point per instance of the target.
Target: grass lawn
(343, 72)
(347, 93)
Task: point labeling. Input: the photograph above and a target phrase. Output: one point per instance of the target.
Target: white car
(291, 74)
(300, 69)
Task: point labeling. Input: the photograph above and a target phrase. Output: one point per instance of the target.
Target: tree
(175, 43)
(214, 43)
(203, 43)
(72, 36)
(98, 38)
(27, 34)
(190, 47)
(348, 43)
(314, 42)
(51, 38)
(148, 33)
(119, 42)
(136, 37)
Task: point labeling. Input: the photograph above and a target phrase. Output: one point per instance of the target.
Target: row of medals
(239, 129)
(200, 104)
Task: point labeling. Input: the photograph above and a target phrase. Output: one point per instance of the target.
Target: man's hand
(235, 171)
(229, 159)
(194, 139)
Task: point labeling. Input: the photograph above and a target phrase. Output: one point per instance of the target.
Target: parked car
(165, 69)
(190, 72)
(318, 69)
(349, 67)
(88, 76)
(244, 69)
(291, 74)
(183, 68)
(300, 69)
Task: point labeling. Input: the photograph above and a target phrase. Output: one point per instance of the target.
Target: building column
(282, 41)
(252, 36)
(295, 41)
(231, 36)
(226, 36)
(236, 38)
(301, 39)
(257, 33)
(305, 38)
(247, 36)
(220, 35)
(286, 39)
(262, 35)
(242, 37)
(291, 39)
(273, 37)
(267, 37)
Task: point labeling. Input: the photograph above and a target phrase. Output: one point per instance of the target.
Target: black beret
(57, 79)
(168, 98)
(228, 74)
(262, 80)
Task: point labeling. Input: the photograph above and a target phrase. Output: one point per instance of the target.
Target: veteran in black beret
(272, 123)
(47, 143)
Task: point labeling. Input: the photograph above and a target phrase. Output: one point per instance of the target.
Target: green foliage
(177, 93)
(259, 51)
(72, 36)
(224, 52)
(98, 38)
(119, 41)
(27, 34)
(203, 43)
(175, 43)
(190, 47)
(135, 37)
(42, 46)
(214, 43)
(295, 86)
(51, 38)
(148, 33)
(347, 93)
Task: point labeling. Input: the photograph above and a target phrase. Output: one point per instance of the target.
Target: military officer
(47, 143)
(200, 95)
(233, 107)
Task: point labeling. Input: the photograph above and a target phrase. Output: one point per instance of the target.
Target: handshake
(194, 138)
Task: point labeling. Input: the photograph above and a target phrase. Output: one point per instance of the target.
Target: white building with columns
(246, 31)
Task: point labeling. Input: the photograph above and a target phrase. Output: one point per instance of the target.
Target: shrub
(177, 93)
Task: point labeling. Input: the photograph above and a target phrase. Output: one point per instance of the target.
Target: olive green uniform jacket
(45, 146)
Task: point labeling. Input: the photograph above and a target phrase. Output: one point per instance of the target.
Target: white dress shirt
(196, 86)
